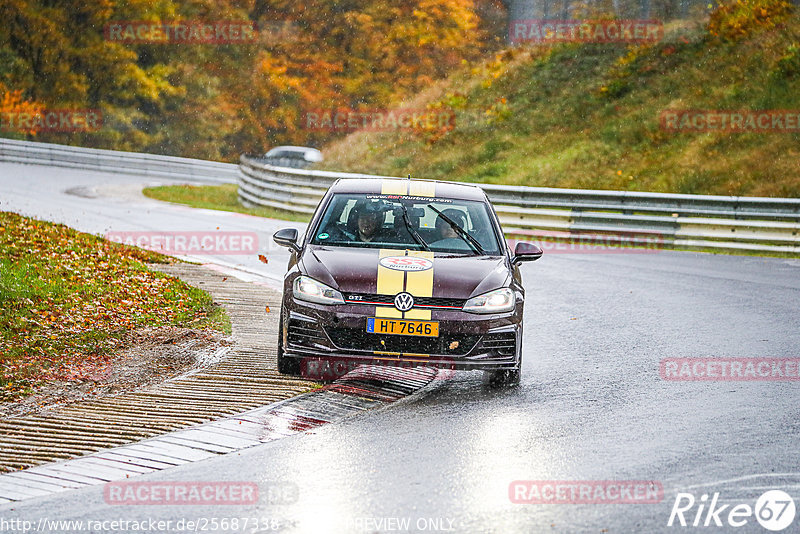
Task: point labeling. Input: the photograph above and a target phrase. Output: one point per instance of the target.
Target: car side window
(347, 208)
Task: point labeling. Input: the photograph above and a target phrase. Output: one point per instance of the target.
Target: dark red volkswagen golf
(403, 271)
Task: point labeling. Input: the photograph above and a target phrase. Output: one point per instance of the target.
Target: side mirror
(287, 238)
(526, 252)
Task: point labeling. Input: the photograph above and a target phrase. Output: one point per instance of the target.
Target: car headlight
(308, 289)
(497, 301)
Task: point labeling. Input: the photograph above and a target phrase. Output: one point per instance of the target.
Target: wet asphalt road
(591, 405)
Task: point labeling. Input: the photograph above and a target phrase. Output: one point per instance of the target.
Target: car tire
(286, 364)
(513, 377)
(504, 378)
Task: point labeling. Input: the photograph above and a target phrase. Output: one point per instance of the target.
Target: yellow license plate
(402, 327)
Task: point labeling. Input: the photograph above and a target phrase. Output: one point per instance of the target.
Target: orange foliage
(12, 103)
(738, 19)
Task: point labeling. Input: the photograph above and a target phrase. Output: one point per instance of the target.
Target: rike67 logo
(774, 510)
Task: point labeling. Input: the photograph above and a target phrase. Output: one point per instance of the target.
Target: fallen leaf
(267, 308)
(262, 258)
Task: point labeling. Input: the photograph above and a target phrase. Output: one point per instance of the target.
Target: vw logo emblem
(403, 302)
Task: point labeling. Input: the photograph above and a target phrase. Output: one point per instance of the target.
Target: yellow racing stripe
(394, 187)
(420, 284)
(390, 282)
(422, 189)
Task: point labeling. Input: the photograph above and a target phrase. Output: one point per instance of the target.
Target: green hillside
(587, 115)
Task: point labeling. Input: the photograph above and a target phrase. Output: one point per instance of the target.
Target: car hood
(354, 270)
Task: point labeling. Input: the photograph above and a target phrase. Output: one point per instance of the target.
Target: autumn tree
(218, 100)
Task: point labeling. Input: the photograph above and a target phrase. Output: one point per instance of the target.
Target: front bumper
(466, 341)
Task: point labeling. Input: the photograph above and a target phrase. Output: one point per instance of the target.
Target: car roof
(287, 148)
(405, 187)
(310, 154)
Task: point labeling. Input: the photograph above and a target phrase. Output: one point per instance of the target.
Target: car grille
(305, 333)
(419, 302)
(504, 343)
(354, 339)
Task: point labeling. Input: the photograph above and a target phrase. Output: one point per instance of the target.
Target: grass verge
(68, 300)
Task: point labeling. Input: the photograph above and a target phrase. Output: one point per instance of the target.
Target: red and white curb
(365, 388)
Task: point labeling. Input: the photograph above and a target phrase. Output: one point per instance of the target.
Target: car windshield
(417, 223)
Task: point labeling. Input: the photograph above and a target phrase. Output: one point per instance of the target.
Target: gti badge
(403, 302)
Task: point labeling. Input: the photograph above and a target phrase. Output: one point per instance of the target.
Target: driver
(370, 216)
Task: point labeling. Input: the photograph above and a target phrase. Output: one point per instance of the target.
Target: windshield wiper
(471, 241)
(414, 233)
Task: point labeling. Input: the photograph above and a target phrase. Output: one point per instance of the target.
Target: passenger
(448, 237)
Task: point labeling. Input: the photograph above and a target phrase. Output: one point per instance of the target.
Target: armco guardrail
(193, 170)
(670, 220)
